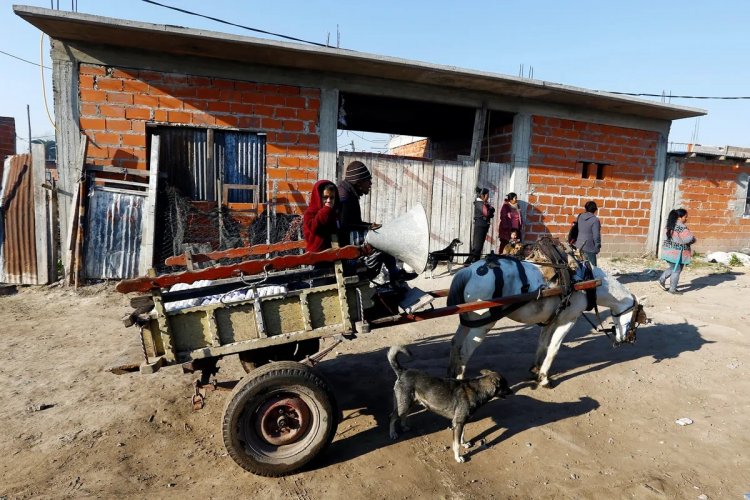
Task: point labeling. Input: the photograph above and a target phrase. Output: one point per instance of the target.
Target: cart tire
(297, 351)
(278, 418)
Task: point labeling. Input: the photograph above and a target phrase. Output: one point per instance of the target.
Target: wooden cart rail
(250, 267)
(233, 253)
(482, 304)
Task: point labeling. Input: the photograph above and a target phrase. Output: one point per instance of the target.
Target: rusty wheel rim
(282, 420)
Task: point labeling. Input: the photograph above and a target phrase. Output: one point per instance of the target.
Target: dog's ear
(486, 372)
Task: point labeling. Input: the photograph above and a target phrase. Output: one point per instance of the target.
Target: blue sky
(666, 46)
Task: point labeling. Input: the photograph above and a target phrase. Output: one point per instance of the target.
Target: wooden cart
(283, 412)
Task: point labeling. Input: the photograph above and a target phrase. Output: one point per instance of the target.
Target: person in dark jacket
(483, 213)
(320, 220)
(510, 219)
(352, 229)
(357, 183)
(589, 240)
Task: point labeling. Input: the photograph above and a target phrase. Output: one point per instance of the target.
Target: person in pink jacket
(676, 249)
(510, 219)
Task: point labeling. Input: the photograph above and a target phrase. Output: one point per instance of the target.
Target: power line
(22, 59)
(233, 24)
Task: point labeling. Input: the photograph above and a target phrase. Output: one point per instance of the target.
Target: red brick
(86, 69)
(218, 106)
(118, 125)
(92, 96)
(227, 120)
(112, 111)
(169, 102)
(135, 140)
(119, 98)
(146, 100)
(179, 117)
(137, 113)
(135, 86)
(205, 93)
(92, 124)
(106, 139)
(113, 84)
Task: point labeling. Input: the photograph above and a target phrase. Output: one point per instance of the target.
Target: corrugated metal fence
(445, 189)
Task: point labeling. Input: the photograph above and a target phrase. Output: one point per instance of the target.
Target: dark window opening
(212, 184)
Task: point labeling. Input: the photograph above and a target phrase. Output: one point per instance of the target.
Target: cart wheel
(279, 418)
(297, 351)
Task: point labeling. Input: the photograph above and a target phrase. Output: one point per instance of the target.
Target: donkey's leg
(558, 334)
(471, 340)
(454, 365)
(545, 336)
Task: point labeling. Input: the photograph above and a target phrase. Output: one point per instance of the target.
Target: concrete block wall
(7, 138)
(559, 192)
(116, 104)
(714, 194)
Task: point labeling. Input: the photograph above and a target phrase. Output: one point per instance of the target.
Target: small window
(747, 201)
(592, 168)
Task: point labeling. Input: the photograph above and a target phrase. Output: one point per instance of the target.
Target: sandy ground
(606, 430)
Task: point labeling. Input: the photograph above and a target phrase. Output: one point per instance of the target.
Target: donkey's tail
(393, 358)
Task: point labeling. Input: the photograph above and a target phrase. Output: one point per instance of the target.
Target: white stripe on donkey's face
(481, 286)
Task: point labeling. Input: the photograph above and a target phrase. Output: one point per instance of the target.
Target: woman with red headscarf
(321, 216)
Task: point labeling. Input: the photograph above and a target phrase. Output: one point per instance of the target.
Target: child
(320, 220)
(514, 245)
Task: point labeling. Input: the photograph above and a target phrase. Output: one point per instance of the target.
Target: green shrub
(735, 261)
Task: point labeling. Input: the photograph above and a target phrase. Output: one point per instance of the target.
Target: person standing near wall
(589, 240)
(510, 219)
(483, 213)
(676, 249)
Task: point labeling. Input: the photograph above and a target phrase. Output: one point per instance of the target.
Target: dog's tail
(393, 358)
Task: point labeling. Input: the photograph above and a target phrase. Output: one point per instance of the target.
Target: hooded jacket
(320, 221)
(589, 233)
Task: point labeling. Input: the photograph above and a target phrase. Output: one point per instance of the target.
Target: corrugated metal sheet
(446, 190)
(113, 235)
(18, 238)
(184, 148)
(243, 156)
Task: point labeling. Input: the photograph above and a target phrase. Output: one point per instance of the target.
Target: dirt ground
(607, 428)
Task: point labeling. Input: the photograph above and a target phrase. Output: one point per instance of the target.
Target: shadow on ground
(363, 382)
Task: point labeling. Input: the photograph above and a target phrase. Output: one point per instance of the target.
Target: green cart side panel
(191, 330)
(236, 323)
(283, 316)
(152, 340)
(325, 308)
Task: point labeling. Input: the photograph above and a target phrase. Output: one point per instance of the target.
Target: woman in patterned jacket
(676, 249)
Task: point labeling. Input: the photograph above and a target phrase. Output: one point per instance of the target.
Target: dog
(452, 398)
(446, 255)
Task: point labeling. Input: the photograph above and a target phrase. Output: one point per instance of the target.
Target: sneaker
(674, 292)
(663, 286)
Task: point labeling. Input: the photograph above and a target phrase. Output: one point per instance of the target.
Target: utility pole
(28, 117)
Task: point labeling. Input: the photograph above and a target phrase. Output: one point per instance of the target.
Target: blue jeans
(673, 273)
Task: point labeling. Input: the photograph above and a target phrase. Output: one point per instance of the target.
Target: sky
(663, 47)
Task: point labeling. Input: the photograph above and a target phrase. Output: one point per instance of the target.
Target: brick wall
(116, 104)
(559, 191)
(7, 139)
(418, 149)
(708, 190)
